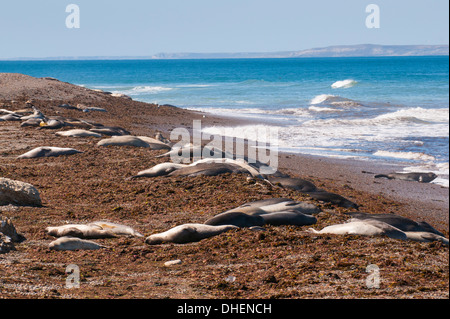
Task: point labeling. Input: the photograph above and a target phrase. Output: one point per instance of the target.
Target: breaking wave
(345, 84)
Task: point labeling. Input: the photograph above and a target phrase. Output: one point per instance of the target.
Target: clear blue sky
(146, 27)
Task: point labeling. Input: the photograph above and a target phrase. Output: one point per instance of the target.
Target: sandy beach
(284, 262)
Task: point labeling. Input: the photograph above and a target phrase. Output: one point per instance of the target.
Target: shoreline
(282, 262)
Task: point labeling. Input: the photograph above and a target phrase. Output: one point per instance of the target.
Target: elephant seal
(72, 243)
(426, 237)
(109, 130)
(293, 218)
(49, 151)
(78, 133)
(80, 231)
(51, 124)
(363, 228)
(208, 169)
(238, 219)
(95, 230)
(187, 233)
(266, 202)
(126, 140)
(400, 222)
(302, 207)
(415, 177)
(162, 169)
(297, 184)
(10, 118)
(154, 143)
(117, 229)
(34, 122)
(332, 198)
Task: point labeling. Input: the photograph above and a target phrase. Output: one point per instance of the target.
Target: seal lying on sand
(304, 186)
(364, 228)
(415, 177)
(187, 233)
(109, 130)
(332, 198)
(297, 184)
(400, 222)
(136, 141)
(288, 218)
(52, 124)
(208, 169)
(373, 227)
(49, 151)
(274, 205)
(72, 243)
(78, 133)
(162, 169)
(93, 230)
(238, 219)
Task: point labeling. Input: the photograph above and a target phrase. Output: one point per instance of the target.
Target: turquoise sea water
(384, 108)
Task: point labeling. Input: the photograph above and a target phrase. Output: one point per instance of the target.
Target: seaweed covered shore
(285, 262)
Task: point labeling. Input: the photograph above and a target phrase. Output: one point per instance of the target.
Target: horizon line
(230, 55)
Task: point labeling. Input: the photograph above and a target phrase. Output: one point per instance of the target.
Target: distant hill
(361, 50)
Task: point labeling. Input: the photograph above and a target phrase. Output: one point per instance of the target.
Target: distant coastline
(362, 50)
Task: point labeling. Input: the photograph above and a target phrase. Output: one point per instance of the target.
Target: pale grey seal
(208, 169)
(72, 243)
(188, 233)
(126, 140)
(78, 133)
(400, 222)
(49, 151)
(266, 202)
(162, 169)
(417, 177)
(95, 230)
(363, 228)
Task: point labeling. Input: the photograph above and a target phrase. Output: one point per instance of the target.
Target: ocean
(386, 109)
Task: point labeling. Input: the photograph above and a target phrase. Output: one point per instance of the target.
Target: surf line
(258, 146)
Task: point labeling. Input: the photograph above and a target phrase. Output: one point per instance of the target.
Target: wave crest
(345, 84)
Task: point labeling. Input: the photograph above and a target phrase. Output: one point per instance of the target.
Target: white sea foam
(333, 100)
(345, 84)
(405, 155)
(440, 169)
(418, 115)
(323, 109)
(150, 89)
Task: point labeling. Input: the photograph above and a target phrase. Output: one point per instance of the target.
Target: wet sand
(284, 262)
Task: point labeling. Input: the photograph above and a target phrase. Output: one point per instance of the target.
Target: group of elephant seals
(73, 237)
(48, 151)
(414, 177)
(275, 212)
